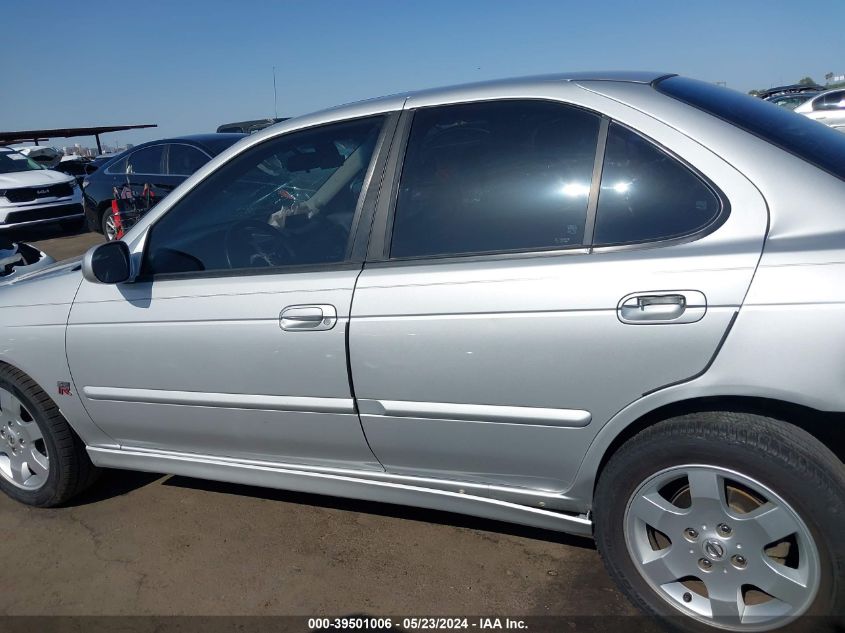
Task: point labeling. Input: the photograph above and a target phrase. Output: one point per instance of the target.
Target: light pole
(275, 101)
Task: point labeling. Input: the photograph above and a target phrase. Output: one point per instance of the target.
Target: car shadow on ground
(390, 510)
(45, 232)
(116, 483)
(113, 483)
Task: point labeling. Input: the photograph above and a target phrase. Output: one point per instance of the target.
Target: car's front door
(527, 291)
(233, 341)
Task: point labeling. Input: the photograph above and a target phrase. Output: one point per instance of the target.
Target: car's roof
(394, 101)
(792, 95)
(824, 92)
(204, 139)
(214, 141)
(627, 76)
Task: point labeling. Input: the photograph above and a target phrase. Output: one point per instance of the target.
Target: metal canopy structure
(7, 138)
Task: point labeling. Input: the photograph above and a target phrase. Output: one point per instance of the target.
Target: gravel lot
(150, 544)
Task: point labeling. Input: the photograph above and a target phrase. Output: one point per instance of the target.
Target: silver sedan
(605, 304)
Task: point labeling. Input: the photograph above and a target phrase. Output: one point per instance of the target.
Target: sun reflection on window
(575, 190)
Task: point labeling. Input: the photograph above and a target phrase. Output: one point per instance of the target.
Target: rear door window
(647, 195)
(146, 161)
(184, 160)
(830, 101)
(495, 176)
(117, 167)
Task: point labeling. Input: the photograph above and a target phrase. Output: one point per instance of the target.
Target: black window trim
(382, 231)
(167, 157)
(366, 199)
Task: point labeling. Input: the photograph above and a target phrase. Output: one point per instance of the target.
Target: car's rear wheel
(42, 461)
(107, 226)
(726, 521)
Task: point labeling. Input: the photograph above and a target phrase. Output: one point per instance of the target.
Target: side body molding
(222, 400)
(574, 418)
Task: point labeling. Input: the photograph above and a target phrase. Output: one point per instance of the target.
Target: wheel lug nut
(739, 561)
(705, 564)
(690, 534)
(724, 529)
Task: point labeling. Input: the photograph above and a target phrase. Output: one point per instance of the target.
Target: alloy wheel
(23, 453)
(722, 548)
(109, 229)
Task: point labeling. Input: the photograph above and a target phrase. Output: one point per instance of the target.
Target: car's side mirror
(107, 263)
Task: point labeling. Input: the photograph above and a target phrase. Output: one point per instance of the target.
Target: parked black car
(791, 100)
(77, 167)
(149, 171)
(791, 89)
(249, 127)
(102, 159)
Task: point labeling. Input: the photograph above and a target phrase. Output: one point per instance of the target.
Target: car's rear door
(233, 343)
(537, 267)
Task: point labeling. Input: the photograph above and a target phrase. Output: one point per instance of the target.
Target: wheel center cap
(714, 549)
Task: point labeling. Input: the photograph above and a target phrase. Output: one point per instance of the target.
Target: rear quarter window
(647, 195)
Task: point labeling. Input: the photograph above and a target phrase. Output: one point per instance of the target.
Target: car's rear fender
(787, 345)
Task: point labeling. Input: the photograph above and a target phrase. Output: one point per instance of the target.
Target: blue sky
(190, 65)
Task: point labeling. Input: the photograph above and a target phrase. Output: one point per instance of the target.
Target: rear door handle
(308, 318)
(670, 306)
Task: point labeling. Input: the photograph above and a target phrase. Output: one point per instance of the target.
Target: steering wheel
(256, 244)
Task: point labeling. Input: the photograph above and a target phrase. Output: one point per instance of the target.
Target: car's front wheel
(42, 461)
(726, 521)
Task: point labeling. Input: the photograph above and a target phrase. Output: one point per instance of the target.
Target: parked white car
(30, 194)
(827, 107)
(47, 157)
(17, 258)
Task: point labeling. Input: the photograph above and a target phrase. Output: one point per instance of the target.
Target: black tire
(92, 219)
(70, 469)
(781, 456)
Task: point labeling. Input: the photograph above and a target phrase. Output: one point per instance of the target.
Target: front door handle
(308, 318)
(671, 306)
